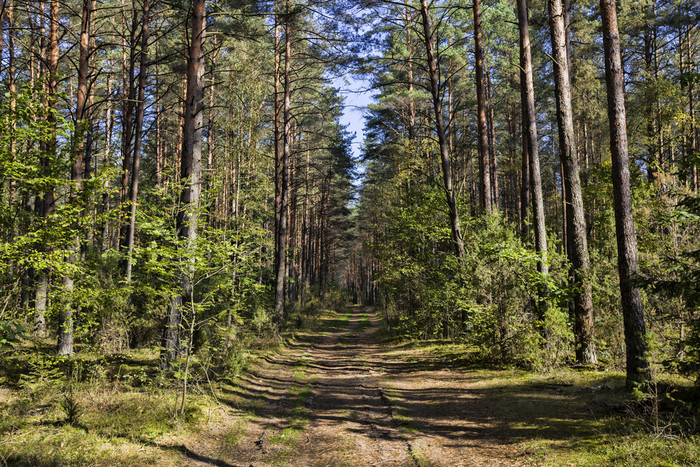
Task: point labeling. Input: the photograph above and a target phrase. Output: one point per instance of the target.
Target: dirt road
(337, 395)
(343, 399)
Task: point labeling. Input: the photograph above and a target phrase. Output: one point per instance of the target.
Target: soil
(345, 399)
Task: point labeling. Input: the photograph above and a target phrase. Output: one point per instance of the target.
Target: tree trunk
(525, 167)
(576, 223)
(278, 135)
(40, 301)
(530, 131)
(129, 88)
(685, 163)
(65, 318)
(211, 131)
(11, 76)
(138, 137)
(659, 124)
(190, 175)
(633, 313)
(409, 73)
(652, 159)
(493, 161)
(160, 141)
(106, 236)
(305, 225)
(281, 253)
(442, 140)
(691, 116)
(485, 198)
(2, 33)
(45, 202)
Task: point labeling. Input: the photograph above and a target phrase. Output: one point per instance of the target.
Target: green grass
(123, 410)
(349, 337)
(116, 425)
(326, 322)
(300, 393)
(365, 321)
(236, 431)
(125, 417)
(564, 416)
(399, 413)
(631, 450)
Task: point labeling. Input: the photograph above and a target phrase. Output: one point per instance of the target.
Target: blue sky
(356, 101)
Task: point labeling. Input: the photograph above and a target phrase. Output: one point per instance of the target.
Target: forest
(199, 266)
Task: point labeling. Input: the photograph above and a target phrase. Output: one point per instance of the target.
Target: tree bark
(633, 313)
(305, 225)
(530, 132)
(211, 129)
(138, 137)
(190, 175)
(493, 161)
(11, 74)
(525, 166)
(659, 124)
(485, 198)
(2, 34)
(65, 317)
(278, 134)
(129, 88)
(575, 220)
(691, 116)
(45, 202)
(685, 163)
(160, 141)
(442, 140)
(409, 74)
(281, 252)
(652, 159)
(106, 236)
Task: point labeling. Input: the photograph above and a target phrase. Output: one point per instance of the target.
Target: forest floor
(344, 397)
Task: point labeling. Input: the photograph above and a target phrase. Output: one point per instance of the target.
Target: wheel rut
(348, 406)
(344, 399)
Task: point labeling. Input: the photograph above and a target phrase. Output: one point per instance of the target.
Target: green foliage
(71, 406)
(520, 311)
(493, 298)
(12, 332)
(680, 282)
(41, 385)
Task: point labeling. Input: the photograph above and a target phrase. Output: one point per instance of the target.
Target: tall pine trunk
(65, 317)
(530, 136)
(525, 167)
(128, 107)
(632, 311)
(409, 74)
(693, 144)
(138, 138)
(190, 176)
(485, 191)
(281, 252)
(45, 202)
(278, 134)
(493, 157)
(442, 139)
(577, 243)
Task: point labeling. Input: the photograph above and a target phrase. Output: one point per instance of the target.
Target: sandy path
(351, 419)
(344, 401)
